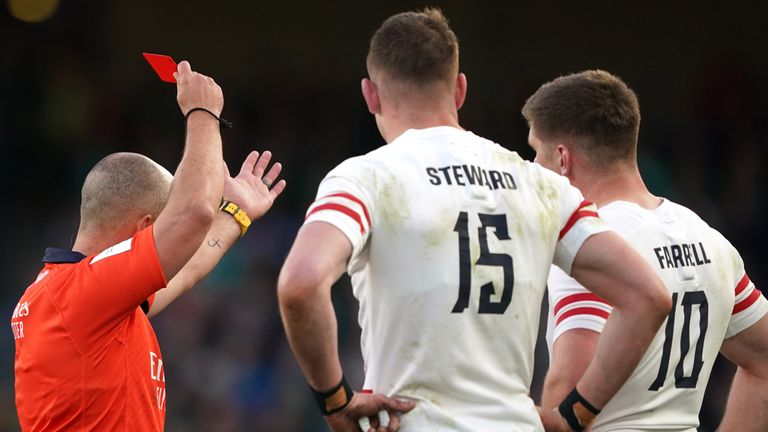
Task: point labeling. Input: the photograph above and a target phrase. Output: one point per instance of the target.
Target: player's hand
(195, 90)
(369, 406)
(253, 190)
(553, 421)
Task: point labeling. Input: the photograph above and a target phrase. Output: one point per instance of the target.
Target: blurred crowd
(74, 88)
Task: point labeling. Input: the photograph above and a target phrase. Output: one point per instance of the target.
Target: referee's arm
(254, 190)
(198, 182)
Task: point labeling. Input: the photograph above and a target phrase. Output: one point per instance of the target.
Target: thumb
(184, 70)
(399, 405)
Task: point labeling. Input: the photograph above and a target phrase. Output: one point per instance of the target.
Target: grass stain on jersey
(391, 202)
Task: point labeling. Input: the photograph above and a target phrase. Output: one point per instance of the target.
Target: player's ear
(461, 90)
(144, 222)
(371, 96)
(564, 159)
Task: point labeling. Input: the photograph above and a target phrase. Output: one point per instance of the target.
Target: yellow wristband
(239, 214)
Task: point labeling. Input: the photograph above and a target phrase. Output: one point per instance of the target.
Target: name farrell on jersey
(684, 255)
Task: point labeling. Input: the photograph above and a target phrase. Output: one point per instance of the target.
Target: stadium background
(74, 87)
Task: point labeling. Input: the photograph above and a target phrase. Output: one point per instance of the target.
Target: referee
(86, 357)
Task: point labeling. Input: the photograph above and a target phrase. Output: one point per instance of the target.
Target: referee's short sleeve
(112, 284)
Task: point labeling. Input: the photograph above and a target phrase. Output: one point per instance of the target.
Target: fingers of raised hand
(261, 164)
(277, 189)
(271, 175)
(246, 170)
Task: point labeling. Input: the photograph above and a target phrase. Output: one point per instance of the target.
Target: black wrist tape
(222, 121)
(577, 411)
(335, 399)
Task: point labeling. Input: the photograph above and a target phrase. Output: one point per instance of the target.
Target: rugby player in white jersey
(585, 127)
(448, 239)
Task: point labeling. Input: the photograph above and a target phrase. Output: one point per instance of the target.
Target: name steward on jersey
(683, 255)
(463, 175)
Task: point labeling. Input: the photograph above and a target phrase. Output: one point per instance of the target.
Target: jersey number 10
(487, 258)
(689, 300)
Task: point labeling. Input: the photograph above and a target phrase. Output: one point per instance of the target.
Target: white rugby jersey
(452, 241)
(712, 299)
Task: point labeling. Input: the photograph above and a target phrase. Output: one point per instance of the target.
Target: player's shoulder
(546, 184)
(354, 167)
(626, 217)
(692, 220)
(683, 212)
(536, 171)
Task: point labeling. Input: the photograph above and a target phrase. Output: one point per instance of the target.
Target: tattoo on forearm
(214, 243)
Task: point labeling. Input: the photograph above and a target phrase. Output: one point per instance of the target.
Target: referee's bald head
(122, 188)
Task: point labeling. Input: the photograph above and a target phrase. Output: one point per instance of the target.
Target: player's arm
(577, 317)
(747, 408)
(316, 260)
(610, 268)
(249, 190)
(572, 352)
(746, 345)
(198, 182)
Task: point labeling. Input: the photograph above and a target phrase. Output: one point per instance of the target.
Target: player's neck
(622, 184)
(88, 242)
(416, 117)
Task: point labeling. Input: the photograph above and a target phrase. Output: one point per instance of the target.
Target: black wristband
(577, 411)
(335, 399)
(222, 121)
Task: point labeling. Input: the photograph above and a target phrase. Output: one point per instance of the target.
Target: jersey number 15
(487, 258)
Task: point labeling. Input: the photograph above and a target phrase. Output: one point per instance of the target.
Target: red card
(163, 65)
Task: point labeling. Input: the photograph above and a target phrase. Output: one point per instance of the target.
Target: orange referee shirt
(87, 358)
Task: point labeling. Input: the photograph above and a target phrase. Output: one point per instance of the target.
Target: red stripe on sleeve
(354, 199)
(578, 214)
(743, 283)
(573, 298)
(582, 311)
(747, 302)
(340, 208)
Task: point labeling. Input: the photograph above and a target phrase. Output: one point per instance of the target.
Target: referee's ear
(371, 96)
(144, 222)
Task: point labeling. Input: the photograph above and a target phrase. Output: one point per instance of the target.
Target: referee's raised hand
(255, 188)
(195, 90)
